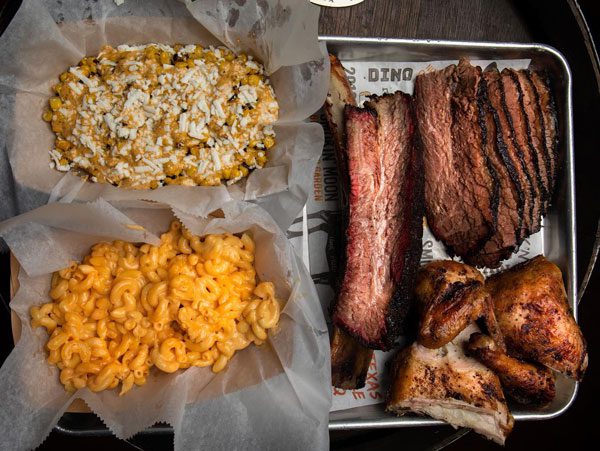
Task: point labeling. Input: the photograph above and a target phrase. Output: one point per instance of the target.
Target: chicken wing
(524, 382)
(446, 384)
(451, 295)
(531, 307)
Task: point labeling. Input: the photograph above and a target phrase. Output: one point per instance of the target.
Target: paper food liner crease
(283, 383)
(280, 33)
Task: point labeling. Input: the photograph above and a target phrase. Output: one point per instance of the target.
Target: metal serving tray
(559, 224)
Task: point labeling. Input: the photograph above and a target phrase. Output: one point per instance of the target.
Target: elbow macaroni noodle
(192, 301)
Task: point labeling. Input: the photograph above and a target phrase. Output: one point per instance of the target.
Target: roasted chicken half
(524, 382)
(531, 307)
(451, 295)
(446, 384)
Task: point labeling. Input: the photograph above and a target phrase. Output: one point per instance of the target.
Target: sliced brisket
(535, 132)
(460, 193)
(490, 157)
(383, 242)
(350, 360)
(517, 122)
(505, 239)
(550, 125)
(514, 162)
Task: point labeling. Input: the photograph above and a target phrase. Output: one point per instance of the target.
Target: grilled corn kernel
(150, 52)
(253, 80)
(260, 161)
(181, 64)
(63, 144)
(224, 66)
(47, 116)
(64, 76)
(165, 57)
(55, 103)
(173, 168)
(268, 142)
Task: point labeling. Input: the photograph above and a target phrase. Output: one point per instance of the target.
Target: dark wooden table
(551, 22)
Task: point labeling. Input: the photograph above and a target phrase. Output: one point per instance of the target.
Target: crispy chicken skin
(531, 307)
(446, 384)
(524, 382)
(451, 295)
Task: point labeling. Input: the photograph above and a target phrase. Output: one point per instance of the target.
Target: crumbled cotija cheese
(144, 116)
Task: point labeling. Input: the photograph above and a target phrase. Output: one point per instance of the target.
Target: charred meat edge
(508, 218)
(406, 254)
(498, 248)
(518, 123)
(525, 170)
(484, 175)
(445, 145)
(541, 84)
(365, 119)
(412, 193)
(349, 359)
(535, 133)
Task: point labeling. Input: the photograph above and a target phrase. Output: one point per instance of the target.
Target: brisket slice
(535, 132)
(505, 239)
(406, 253)
(383, 238)
(459, 197)
(513, 161)
(517, 122)
(349, 359)
(550, 124)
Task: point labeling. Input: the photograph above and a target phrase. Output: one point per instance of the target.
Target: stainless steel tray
(559, 224)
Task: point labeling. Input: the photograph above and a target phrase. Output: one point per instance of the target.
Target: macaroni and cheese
(149, 115)
(192, 301)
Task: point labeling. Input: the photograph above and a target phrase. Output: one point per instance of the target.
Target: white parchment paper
(270, 396)
(323, 214)
(46, 37)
